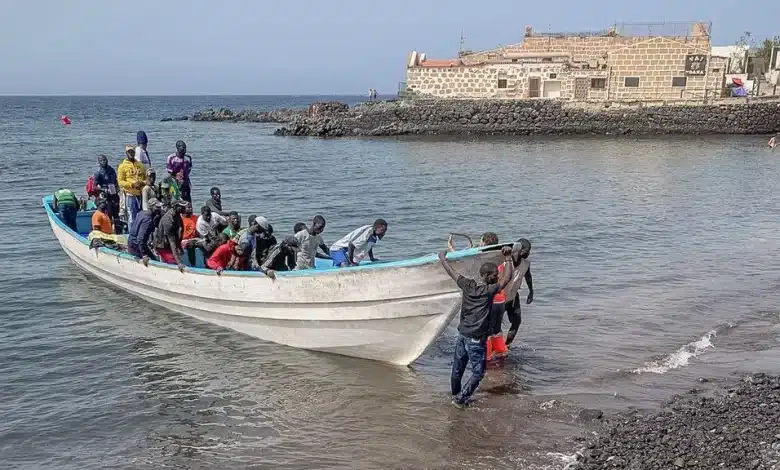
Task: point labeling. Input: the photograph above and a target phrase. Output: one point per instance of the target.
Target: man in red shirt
(230, 255)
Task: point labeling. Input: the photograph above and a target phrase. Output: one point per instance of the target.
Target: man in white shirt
(358, 244)
(207, 225)
(309, 240)
(140, 151)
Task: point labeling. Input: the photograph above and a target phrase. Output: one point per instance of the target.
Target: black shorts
(513, 312)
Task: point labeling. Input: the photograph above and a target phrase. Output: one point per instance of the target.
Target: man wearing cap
(141, 231)
(180, 161)
(140, 151)
(167, 237)
(281, 257)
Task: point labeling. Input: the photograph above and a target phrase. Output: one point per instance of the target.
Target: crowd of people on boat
(158, 221)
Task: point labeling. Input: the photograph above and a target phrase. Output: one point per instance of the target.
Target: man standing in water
(522, 270)
(474, 325)
(180, 161)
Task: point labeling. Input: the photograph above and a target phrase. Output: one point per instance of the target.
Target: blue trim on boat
(427, 259)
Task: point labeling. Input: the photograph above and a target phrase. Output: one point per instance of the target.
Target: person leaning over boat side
(310, 239)
(257, 226)
(281, 257)
(140, 150)
(140, 233)
(106, 182)
(180, 161)
(131, 176)
(522, 270)
(230, 256)
(167, 237)
(358, 244)
(207, 226)
(66, 205)
(474, 325)
(264, 242)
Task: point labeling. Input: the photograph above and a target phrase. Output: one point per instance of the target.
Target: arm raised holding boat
(504, 279)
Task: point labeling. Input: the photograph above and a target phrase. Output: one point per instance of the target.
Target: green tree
(764, 50)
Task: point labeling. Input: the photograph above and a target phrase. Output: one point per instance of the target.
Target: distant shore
(512, 117)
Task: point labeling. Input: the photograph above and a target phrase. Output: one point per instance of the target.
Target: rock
(589, 415)
(179, 118)
(703, 380)
(510, 117)
(679, 462)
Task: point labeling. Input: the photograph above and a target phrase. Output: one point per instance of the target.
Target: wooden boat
(389, 312)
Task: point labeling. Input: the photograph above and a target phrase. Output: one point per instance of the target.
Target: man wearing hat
(140, 151)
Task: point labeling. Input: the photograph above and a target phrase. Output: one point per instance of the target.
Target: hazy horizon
(246, 48)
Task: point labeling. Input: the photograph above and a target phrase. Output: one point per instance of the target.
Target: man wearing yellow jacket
(131, 176)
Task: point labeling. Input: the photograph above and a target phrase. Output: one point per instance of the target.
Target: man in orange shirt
(189, 233)
(101, 221)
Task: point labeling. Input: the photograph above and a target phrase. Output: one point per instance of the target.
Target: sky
(179, 47)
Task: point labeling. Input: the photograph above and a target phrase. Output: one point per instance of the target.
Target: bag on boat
(91, 187)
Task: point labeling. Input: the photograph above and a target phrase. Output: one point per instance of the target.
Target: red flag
(65, 120)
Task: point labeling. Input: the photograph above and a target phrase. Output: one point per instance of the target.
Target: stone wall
(656, 62)
(547, 117)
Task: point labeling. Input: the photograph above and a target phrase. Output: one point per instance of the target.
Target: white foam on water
(569, 462)
(681, 357)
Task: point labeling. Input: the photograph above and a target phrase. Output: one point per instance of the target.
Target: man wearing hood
(180, 161)
(215, 202)
(106, 182)
(140, 151)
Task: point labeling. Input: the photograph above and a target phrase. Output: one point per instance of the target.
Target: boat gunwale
(407, 263)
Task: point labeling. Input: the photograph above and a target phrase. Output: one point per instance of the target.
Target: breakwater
(514, 117)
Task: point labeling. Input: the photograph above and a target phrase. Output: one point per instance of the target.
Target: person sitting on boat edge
(230, 256)
(131, 176)
(522, 271)
(309, 240)
(281, 257)
(66, 205)
(106, 183)
(180, 161)
(474, 324)
(101, 220)
(358, 244)
(234, 225)
(167, 237)
(140, 234)
(207, 226)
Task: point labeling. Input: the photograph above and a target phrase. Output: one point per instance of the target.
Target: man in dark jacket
(281, 257)
(106, 183)
(474, 325)
(141, 231)
(167, 237)
(215, 202)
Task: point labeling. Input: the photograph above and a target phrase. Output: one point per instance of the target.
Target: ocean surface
(655, 262)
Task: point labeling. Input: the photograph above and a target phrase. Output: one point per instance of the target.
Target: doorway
(533, 87)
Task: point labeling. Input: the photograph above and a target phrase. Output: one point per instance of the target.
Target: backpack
(90, 187)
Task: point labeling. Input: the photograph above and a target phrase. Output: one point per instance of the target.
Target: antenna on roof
(462, 40)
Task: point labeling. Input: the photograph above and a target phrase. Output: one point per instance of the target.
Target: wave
(683, 355)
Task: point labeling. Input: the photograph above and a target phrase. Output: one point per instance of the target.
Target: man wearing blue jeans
(474, 325)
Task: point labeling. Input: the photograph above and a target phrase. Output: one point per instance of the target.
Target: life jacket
(66, 196)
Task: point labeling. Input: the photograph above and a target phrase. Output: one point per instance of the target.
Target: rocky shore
(737, 428)
(513, 117)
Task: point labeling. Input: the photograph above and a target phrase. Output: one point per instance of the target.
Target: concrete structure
(602, 67)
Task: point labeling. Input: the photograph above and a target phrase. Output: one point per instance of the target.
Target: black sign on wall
(695, 64)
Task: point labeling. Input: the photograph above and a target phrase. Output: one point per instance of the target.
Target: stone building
(595, 67)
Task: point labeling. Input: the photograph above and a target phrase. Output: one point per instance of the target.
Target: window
(679, 81)
(502, 82)
(715, 70)
(553, 76)
(546, 59)
(514, 60)
(631, 82)
(598, 83)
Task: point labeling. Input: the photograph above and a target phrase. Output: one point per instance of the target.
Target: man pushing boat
(474, 326)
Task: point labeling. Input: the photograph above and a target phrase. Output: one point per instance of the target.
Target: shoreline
(513, 118)
(736, 425)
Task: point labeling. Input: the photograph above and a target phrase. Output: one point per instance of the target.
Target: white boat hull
(384, 313)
